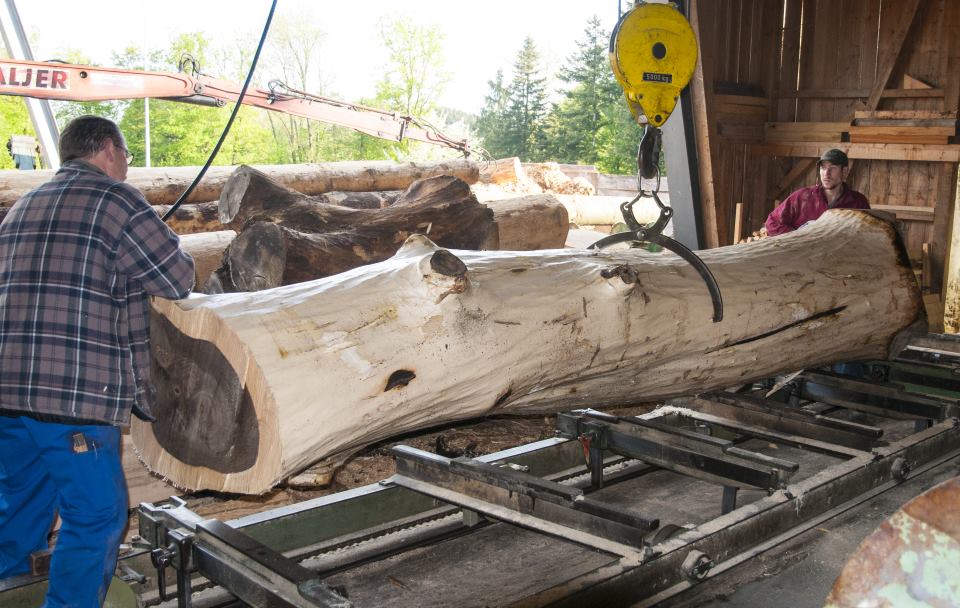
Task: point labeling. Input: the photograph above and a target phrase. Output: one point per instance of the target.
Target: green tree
(576, 121)
(592, 124)
(617, 140)
(491, 124)
(183, 133)
(526, 106)
(413, 81)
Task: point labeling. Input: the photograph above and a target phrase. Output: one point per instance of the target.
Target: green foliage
(590, 124)
(14, 120)
(491, 119)
(587, 122)
(513, 119)
(415, 76)
(527, 104)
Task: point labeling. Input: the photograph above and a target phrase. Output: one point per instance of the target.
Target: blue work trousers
(76, 469)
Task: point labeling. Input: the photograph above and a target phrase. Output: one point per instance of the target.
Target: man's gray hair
(85, 135)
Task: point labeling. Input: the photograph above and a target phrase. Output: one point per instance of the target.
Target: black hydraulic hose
(226, 129)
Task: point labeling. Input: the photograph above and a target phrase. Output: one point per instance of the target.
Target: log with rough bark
(287, 237)
(253, 387)
(360, 200)
(192, 218)
(164, 185)
(207, 249)
(536, 221)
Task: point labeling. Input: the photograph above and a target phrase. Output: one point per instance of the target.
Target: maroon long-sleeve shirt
(808, 204)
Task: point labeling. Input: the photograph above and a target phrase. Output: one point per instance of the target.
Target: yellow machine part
(653, 53)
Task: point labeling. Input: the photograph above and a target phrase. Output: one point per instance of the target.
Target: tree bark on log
(360, 200)
(192, 218)
(537, 221)
(254, 387)
(287, 237)
(164, 185)
(207, 249)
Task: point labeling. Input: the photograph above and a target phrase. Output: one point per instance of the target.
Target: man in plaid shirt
(79, 258)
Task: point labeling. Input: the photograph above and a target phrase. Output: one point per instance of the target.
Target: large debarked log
(256, 386)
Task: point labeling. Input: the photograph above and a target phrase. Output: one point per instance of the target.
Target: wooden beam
(795, 172)
(948, 153)
(705, 129)
(862, 93)
(905, 115)
(897, 35)
(804, 131)
(900, 134)
(910, 213)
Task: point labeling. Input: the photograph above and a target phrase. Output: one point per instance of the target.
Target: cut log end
(257, 257)
(209, 417)
(232, 195)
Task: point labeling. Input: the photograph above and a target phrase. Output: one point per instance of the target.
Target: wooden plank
(742, 100)
(863, 93)
(947, 123)
(737, 224)
(804, 131)
(949, 153)
(893, 33)
(745, 28)
(909, 82)
(825, 57)
(848, 60)
(919, 115)
(703, 107)
(805, 76)
(908, 213)
(742, 133)
(944, 236)
(891, 134)
(869, 27)
(790, 57)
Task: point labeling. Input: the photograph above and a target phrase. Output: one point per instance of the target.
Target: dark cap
(834, 156)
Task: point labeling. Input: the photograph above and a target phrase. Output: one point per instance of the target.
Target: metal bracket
(653, 233)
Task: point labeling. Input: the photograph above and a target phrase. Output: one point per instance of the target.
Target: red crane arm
(70, 82)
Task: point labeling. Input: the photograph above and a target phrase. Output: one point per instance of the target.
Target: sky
(480, 38)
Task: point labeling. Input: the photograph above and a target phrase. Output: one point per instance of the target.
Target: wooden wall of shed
(769, 62)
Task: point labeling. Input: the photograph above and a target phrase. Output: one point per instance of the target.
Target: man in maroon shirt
(808, 204)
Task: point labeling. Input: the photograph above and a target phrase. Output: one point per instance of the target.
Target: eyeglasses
(126, 154)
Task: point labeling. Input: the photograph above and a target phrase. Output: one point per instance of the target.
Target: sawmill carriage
(786, 382)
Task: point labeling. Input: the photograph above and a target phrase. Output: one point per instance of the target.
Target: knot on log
(626, 273)
(445, 263)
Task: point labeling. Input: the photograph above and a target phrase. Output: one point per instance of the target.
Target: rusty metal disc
(911, 559)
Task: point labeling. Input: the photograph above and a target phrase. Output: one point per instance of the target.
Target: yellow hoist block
(653, 53)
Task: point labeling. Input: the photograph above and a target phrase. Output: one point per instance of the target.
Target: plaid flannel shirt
(79, 258)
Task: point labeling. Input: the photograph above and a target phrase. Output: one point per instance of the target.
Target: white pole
(146, 102)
